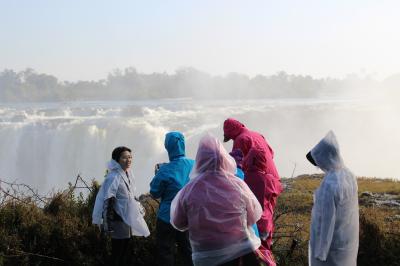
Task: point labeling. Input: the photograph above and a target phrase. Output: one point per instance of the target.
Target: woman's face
(125, 160)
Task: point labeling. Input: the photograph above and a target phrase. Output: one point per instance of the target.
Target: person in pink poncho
(218, 209)
(266, 187)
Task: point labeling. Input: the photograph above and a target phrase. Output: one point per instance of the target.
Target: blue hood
(175, 145)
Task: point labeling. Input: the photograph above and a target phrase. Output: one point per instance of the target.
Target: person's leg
(118, 251)
(264, 251)
(268, 242)
(235, 262)
(182, 239)
(269, 238)
(125, 251)
(165, 235)
(265, 255)
(120, 239)
(250, 259)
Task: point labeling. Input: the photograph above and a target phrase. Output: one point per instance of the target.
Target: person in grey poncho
(335, 216)
(116, 209)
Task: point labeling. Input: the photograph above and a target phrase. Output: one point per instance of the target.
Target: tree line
(129, 84)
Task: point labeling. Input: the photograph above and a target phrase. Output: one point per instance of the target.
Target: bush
(61, 232)
(379, 238)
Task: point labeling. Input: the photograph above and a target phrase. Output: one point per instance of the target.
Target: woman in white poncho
(334, 224)
(218, 209)
(116, 209)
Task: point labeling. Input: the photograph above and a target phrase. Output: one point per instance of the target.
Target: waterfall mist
(47, 145)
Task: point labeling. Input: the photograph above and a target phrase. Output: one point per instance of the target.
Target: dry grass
(375, 185)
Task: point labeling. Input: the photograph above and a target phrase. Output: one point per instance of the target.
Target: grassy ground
(60, 232)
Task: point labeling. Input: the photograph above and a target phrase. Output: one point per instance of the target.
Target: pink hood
(233, 128)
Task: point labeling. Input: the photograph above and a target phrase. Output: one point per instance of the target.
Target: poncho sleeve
(107, 190)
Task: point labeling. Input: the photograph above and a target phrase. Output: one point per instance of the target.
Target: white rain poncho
(117, 184)
(216, 207)
(334, 224)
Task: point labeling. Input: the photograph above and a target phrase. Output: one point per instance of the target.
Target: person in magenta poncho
(266, 187)
(245, 139)
(258, 175)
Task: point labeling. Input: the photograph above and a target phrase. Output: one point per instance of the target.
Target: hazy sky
(88, 39)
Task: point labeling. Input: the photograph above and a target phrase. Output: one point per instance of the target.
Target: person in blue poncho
(169, 179)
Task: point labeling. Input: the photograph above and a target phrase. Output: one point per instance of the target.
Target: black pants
(249, 259)
(167, 238)
(119, 252)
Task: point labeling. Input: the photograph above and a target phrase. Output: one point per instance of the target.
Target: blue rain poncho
(335, 222)
(172, 176)
(120, 185)
(239, 173)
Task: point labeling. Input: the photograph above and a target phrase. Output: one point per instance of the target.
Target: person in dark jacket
(167, 182)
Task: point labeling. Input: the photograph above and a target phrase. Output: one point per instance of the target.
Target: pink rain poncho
(245, 139)
(334, 221)
(266, 188)
(216, 207)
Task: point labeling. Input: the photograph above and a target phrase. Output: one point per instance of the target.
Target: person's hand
(264, 236)
(99, 227)
(142, 210)
(157, 167)
(106, 228)
(140, 207)
(102, 230)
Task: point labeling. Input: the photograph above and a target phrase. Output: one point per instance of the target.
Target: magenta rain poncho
(335, 221)
(216, 207)
(245, 139)
(266, 188)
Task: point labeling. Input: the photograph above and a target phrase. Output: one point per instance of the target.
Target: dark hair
(116, 154)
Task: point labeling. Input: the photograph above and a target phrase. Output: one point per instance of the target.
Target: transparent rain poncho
(216, 207)
(335, 222)
(116, 184)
